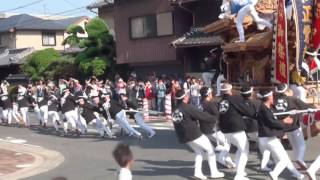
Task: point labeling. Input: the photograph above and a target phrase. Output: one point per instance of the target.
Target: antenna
(44, 9)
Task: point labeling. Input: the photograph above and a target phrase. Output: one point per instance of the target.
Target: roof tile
(196, 37)
(27, 22)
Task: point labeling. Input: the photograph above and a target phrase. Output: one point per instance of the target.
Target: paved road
(162, 157)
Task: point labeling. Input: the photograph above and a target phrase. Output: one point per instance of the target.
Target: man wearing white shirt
(123, 156)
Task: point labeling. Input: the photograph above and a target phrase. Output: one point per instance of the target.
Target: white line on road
(18, 141)
(155, 127)
(23, 165)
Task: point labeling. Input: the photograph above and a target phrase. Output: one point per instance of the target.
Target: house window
(164, 24)
(144, 27)
(151, 25)
(48, 38)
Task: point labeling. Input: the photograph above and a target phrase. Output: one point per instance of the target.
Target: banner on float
(280, 47)
(302, 13)
(316, 25)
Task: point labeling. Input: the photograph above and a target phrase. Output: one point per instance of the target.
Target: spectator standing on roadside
(161, 90)
(121, 87)
(187, 83)
(140, 93)
(132, 91)
(149, 94)
(195, 93)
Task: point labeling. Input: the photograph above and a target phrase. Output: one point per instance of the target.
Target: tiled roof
(196, 37)
(14, 56)
(99, 4)
(27, 22)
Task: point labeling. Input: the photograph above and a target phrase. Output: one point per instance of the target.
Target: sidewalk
(19, 161)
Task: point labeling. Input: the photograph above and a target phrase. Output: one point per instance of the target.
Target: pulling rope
(311, 117)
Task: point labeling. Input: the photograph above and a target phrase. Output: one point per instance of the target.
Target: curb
(45, 160)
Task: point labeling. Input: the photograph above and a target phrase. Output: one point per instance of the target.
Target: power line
(68, 2)
(76, 12)
(64, 12)
(22, 6)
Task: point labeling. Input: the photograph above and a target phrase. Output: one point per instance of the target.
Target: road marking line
(23, 165)
(155, 127)
(20, 143)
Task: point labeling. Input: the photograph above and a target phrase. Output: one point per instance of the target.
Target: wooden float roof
(256, 42)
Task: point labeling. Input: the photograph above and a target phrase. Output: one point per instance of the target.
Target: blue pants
(160, 104)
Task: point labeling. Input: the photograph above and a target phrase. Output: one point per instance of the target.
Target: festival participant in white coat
(269, 130)
(242, 8)
(185, 119)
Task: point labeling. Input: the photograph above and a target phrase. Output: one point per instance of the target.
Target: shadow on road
(162, 140)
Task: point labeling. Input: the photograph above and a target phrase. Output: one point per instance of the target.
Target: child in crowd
(123, 155)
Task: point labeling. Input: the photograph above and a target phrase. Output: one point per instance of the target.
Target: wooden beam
(256, 42)
(218, 26)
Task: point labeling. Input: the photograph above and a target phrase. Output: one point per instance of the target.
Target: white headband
(247, 92)
(213, 50)
(208, 91)
(229, 87)
(281, 91)
(105, 95)
(312, 53)
(263, 96)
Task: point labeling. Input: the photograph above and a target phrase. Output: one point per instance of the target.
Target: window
(151, 25)
(144, 27)
(48, 38)
(164, 24)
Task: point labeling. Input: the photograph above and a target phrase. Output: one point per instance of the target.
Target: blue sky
(48, 7)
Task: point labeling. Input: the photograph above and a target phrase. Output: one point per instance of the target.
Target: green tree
(99, 53)
(37, 63)
(73, 40)
(62, 68)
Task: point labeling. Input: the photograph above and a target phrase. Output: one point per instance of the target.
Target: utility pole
(44, 9)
